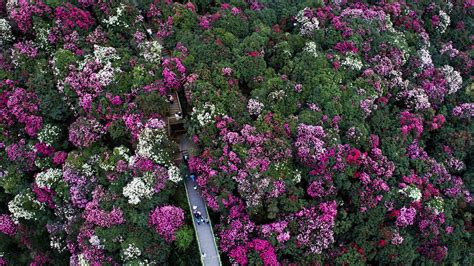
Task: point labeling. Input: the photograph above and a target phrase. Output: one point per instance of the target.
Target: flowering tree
(166, 220)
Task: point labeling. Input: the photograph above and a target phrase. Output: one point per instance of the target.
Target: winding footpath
(204, 232)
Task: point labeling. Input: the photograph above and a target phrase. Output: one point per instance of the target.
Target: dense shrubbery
(330, 132)
(87, 172)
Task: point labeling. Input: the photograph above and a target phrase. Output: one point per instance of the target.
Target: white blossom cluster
(16, 55)
(453, 78)
(149, 144)
(122, 152)
(81, 260)
(131, 252)
(397, 39)
(455, 164)
(41, 36)
(445, 20)
(254, 107)
(49, 134)
(17, 209)
(307, 25)
(151, 51)
(68, 212)
(352, 61)
(57, 243)
(425, 58)
(104, 54)
(311, 48)
(47, 178)
(354, 134)
(174, 174)
(139, 188)
(95, 241)
(107, 74)
(277, 95)
(412, 192)
(5, 32)
(297, 176)
(436, 205)
(368, 105)
(116, 20)
(415, 98)
(205, 114)
(87, 170)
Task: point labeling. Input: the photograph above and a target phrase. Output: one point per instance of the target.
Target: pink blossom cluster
(26, 48)
(21, 12)
(465, 110)
(278, 229)
(86, 83)
(78, 186)
(85, 131)
(411, 122)
(22, 105)
(374, 171)
(315, 226)
(173, 72)
(346, 47)
(166, 220)
(310, 144)
(70, 17)
(20, 154)
(406, 217)
(7, 226)
(262, 247)
(97, 216)
(45, 195)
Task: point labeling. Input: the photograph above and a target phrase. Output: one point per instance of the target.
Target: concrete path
(204, 232)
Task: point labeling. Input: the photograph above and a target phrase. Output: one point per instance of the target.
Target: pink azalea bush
(166, 220)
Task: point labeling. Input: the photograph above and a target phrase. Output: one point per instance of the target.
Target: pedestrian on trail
(203, 254)
(170, 98)
(196, 215)
(178, 116)
(193, 177)
(195, 187)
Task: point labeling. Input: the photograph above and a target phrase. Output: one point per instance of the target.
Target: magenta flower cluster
(166, 220)
(83, 132)
(7, 226)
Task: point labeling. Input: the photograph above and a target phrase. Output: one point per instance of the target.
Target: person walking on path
(170, 98)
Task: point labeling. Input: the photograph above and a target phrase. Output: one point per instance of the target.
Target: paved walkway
(204, 232)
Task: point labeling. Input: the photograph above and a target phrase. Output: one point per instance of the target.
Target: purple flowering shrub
(329, 132)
